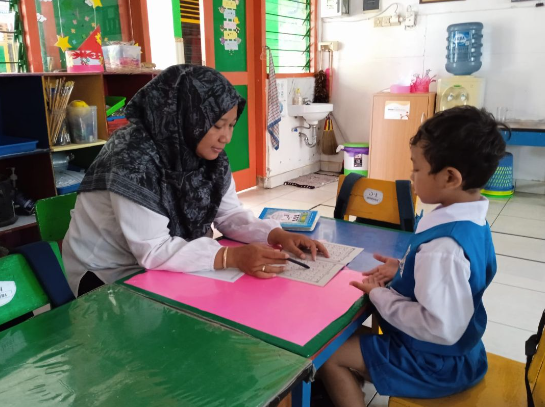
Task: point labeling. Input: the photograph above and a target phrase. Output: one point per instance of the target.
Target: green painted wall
(238, 149)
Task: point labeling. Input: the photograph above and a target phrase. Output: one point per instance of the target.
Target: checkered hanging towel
(273, 106)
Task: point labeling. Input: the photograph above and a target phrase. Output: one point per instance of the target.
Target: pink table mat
(287, 309)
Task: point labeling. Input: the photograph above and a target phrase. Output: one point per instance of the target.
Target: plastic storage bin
(14, 145)
(121, 57)
(501, 183)
(115, 103)
(356, 158)
(82, 122)
(464, 43)
(115, 123)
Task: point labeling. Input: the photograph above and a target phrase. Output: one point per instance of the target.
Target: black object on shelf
(7, 212)
(24, 205)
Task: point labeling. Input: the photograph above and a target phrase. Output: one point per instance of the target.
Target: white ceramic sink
(312, 113)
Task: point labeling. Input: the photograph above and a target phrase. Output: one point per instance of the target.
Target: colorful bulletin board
(72, 21)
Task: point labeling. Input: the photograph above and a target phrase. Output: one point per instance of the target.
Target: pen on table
(298, 263)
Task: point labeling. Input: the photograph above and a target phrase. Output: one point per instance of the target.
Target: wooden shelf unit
(23, 113)
(69, 147)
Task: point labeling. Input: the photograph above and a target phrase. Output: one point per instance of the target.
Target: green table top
(113, 347)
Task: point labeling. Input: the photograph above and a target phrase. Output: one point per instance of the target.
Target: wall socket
(387, 21)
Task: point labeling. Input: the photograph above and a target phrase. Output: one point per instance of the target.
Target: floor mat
(312, 181)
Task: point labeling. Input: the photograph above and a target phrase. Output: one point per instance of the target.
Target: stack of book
(292, 219)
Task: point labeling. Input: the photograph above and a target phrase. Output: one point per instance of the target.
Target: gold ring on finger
(263, 268)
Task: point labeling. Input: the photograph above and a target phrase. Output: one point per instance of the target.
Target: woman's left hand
(294, 242)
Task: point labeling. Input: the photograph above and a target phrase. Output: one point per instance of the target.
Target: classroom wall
(371, 59)
(293, 158)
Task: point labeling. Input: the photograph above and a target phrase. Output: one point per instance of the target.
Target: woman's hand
(294, 242)
(257, 260)
(385, 272)
(367, 284)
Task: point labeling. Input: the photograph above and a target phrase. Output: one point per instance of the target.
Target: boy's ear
(453, 178)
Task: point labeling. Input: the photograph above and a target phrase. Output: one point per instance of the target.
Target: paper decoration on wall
(94, 3)
(88, 57)
(62, 42)
(230, 38)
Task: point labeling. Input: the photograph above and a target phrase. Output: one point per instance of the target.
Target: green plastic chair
(53, 216)
(20, 291)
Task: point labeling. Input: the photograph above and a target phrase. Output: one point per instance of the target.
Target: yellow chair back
(374, 199)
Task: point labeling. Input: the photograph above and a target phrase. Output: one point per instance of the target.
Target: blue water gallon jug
(464, 48)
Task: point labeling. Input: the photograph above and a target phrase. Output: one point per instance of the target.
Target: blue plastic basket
(501, 183)
(14, 145)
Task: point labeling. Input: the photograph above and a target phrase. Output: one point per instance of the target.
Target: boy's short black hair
(465, 138)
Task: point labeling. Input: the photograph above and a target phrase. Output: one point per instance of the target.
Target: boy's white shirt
(444, 304)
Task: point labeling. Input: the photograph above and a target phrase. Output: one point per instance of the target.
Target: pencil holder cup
(82, 122)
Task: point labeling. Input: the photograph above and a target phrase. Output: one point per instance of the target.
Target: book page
(323, 269)
(339, 253)
(230, 275)
(319, 273)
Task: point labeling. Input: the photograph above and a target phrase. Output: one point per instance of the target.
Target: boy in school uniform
(432, 314)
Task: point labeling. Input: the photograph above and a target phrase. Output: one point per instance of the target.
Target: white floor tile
(287, 204)
(520, 273)
(496, 205)
(331, 202)
(330, 188)
(521, 247)
(519, 226)
(259, 195)
(369, 391)
(326, 211)
(517, 307)
(491, 218)
(530, 199)
(379, 401)
(314, 196)
(506, 341)
(529, 209)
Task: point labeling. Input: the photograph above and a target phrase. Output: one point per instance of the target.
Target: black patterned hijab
(153, 161)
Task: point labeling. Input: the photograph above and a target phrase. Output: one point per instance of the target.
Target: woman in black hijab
(151, 195)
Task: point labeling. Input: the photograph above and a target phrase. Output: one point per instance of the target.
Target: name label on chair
(372, 196)
(7, 291)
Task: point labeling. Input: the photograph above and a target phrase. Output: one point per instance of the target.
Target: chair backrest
(536, 379)
(20, 290)
(53, 216)
(377, 202)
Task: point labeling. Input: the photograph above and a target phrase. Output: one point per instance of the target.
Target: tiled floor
(514, 301)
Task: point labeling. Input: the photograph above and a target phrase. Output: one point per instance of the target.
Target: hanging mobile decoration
(62, 41)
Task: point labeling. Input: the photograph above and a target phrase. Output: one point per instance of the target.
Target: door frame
(252, 78)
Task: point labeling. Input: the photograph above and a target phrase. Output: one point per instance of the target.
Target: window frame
(313, 44)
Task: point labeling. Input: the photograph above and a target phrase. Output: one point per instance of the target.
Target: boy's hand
(385, 272)
(367, 284)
